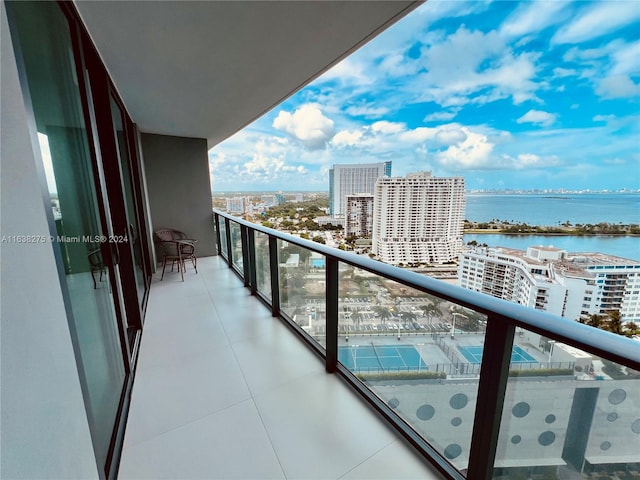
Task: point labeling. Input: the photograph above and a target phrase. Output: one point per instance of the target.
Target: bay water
(555, 209)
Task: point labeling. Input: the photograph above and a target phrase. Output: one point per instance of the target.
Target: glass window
(127, 183)
(46, 44)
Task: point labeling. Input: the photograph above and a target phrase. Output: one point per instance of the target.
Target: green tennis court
(375, 358)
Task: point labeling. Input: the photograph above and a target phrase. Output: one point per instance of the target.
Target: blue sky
(507, 94)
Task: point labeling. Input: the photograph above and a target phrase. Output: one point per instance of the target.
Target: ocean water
(550, 210)
(626, 247)
(553, 209)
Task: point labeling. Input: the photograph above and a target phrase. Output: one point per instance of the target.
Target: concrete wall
(45, 432)
(179, 189)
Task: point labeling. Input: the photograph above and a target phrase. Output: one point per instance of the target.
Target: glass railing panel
(263, 270)
(236, 245)
(418, 353)
(303, 287)
(223, 237)
(568, 414)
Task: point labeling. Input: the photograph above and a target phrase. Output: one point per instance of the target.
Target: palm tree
(356, 317)
(431, 310)
(631, 328)
(408, 316)
(614, 323)
(595, 320)
(382, 312)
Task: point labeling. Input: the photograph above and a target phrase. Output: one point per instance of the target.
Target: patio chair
(97, 264)
(176, 247)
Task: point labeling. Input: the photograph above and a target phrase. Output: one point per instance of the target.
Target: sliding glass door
(133, 208)
(82, 232)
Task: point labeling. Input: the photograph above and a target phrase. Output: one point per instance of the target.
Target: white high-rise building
(571, 285)
(418, 219)
(237, 204)
(352, 179)
(359, 216)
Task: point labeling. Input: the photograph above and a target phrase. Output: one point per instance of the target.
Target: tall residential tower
(353, 179)
(418, 219)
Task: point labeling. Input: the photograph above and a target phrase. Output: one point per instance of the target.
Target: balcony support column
(246, 268)
(216, 226)
(275, 285)
(492, 386)
(332, 314)
(227, 231)
(253, 277)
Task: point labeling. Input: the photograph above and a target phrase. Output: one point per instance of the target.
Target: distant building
(329, 220)
(280, 199)
(571, 285)
(349, 179)
(237, 204)
(418, 219)
(269, 200)
(359, 215)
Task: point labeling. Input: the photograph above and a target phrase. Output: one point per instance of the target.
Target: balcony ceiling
(208, 69)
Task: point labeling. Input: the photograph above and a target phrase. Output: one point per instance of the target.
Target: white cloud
(443, 115)
(530, 160)
(366, 111)
(617, 86)
(560, 72)
(611, 68)
(599, 19)
(442, 135)
(347, 138)
(469, 62)
(451, 136)
(604, 118)
(388, 127)
(532, 17)
(419, 134)
(348, 72)
(308, 125)
(473, 153)
(614, 161)
(538, 117)
(618, 82)
(626, 59)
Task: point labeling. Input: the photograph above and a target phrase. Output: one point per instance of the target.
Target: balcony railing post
(227, 232)
(216, 228)
(332, 314)
(275, 283)
(492, 386)
(246, 268)
(253, 277)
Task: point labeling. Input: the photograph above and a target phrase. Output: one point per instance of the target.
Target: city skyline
(510, 95)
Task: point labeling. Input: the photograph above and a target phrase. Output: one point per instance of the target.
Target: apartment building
(572, 285)
(418, 219)
(359, 215)
(237, 205)
(350, 179)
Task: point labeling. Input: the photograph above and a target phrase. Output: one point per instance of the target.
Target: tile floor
(225, 391)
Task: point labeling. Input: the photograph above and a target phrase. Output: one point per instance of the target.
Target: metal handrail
(502, 319)
(605, 344)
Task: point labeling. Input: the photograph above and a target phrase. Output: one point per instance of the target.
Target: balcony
(232, 376)
(224, 390)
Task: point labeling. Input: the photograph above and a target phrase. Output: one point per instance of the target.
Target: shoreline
(488, 231)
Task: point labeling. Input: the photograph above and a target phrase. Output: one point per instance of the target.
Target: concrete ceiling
(208, 69)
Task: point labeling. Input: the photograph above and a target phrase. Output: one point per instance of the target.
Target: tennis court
(374, 358)
(474, 354)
